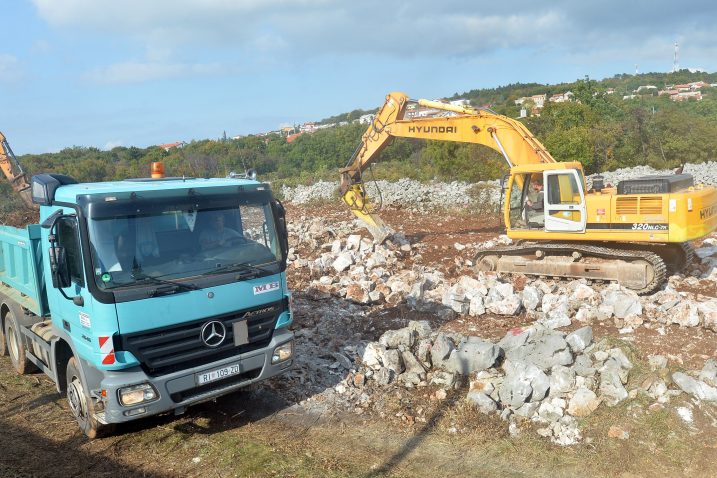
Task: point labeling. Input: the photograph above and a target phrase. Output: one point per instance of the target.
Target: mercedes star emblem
(213, 333)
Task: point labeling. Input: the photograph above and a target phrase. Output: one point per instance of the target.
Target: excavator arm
(14, 173)
(374, 140)
(467, 125)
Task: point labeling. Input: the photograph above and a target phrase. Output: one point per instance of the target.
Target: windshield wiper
(157, 280)
(247, 269)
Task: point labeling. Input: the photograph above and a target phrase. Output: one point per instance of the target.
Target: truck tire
(81, 404)
(3, 342)
(16, 345)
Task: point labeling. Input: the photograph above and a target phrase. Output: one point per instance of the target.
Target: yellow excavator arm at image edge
(12, 169)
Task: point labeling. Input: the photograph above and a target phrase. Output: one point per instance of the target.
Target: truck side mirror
(281, 226)
(59, 268)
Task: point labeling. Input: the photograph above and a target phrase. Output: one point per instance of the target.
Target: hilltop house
(168, 146)
(562, 97)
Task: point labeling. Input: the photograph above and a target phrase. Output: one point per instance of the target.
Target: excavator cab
(546, 198)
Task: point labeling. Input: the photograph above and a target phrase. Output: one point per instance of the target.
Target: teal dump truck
(145, 296)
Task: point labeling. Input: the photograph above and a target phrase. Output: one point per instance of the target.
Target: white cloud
(138, 71)
(112, 144)
(173, 22)
(294, 30)
(10, 69)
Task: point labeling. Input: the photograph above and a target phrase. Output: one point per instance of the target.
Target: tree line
(600, 130)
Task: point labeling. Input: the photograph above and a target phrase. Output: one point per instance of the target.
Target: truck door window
(68, 238)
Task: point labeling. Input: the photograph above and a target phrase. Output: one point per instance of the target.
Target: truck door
(71, 315)
(564, 201)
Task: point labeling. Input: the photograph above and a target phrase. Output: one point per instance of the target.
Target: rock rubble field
(384, 331)
(411, 194)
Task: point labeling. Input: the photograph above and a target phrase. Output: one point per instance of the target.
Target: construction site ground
(282, 428)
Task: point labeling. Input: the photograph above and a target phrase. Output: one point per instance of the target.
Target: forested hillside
(601, 130)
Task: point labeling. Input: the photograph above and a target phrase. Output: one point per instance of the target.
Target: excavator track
(643, 271)
(690, 254)
(677, 256)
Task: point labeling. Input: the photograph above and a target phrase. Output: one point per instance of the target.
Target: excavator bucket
(360, 205)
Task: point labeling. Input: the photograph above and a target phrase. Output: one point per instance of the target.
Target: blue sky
(140, 72)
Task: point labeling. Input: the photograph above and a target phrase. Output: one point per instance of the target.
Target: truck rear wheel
(3, 342)
(15, 345)
(81, 404)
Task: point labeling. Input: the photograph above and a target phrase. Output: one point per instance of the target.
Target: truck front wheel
(81, 404)
(16, 345)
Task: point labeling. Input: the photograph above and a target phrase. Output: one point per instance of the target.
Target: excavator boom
(465, 124)
(14, 173)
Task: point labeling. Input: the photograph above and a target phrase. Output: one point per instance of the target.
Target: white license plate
(218, 374)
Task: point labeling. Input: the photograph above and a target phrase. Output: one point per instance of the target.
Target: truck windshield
(178, 243)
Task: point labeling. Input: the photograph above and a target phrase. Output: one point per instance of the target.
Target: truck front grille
(166, 350)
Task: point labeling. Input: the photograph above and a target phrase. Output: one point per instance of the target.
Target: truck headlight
(282, 352)
(136, 394)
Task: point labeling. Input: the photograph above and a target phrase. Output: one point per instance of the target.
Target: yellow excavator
(636, 233)
(14, 173)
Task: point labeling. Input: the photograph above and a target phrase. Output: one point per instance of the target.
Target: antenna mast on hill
(675, 62)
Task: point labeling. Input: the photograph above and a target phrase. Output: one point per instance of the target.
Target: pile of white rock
(356, 268)
(349, 266)
(705, 173)
(318, 191)
(405, 193)
(414, 195)
(558, 304)
(533, 373)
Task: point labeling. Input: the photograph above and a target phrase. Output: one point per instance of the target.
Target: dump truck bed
(21, 277)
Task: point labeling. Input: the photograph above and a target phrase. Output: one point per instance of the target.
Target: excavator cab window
(563, 189)
(520, 192)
